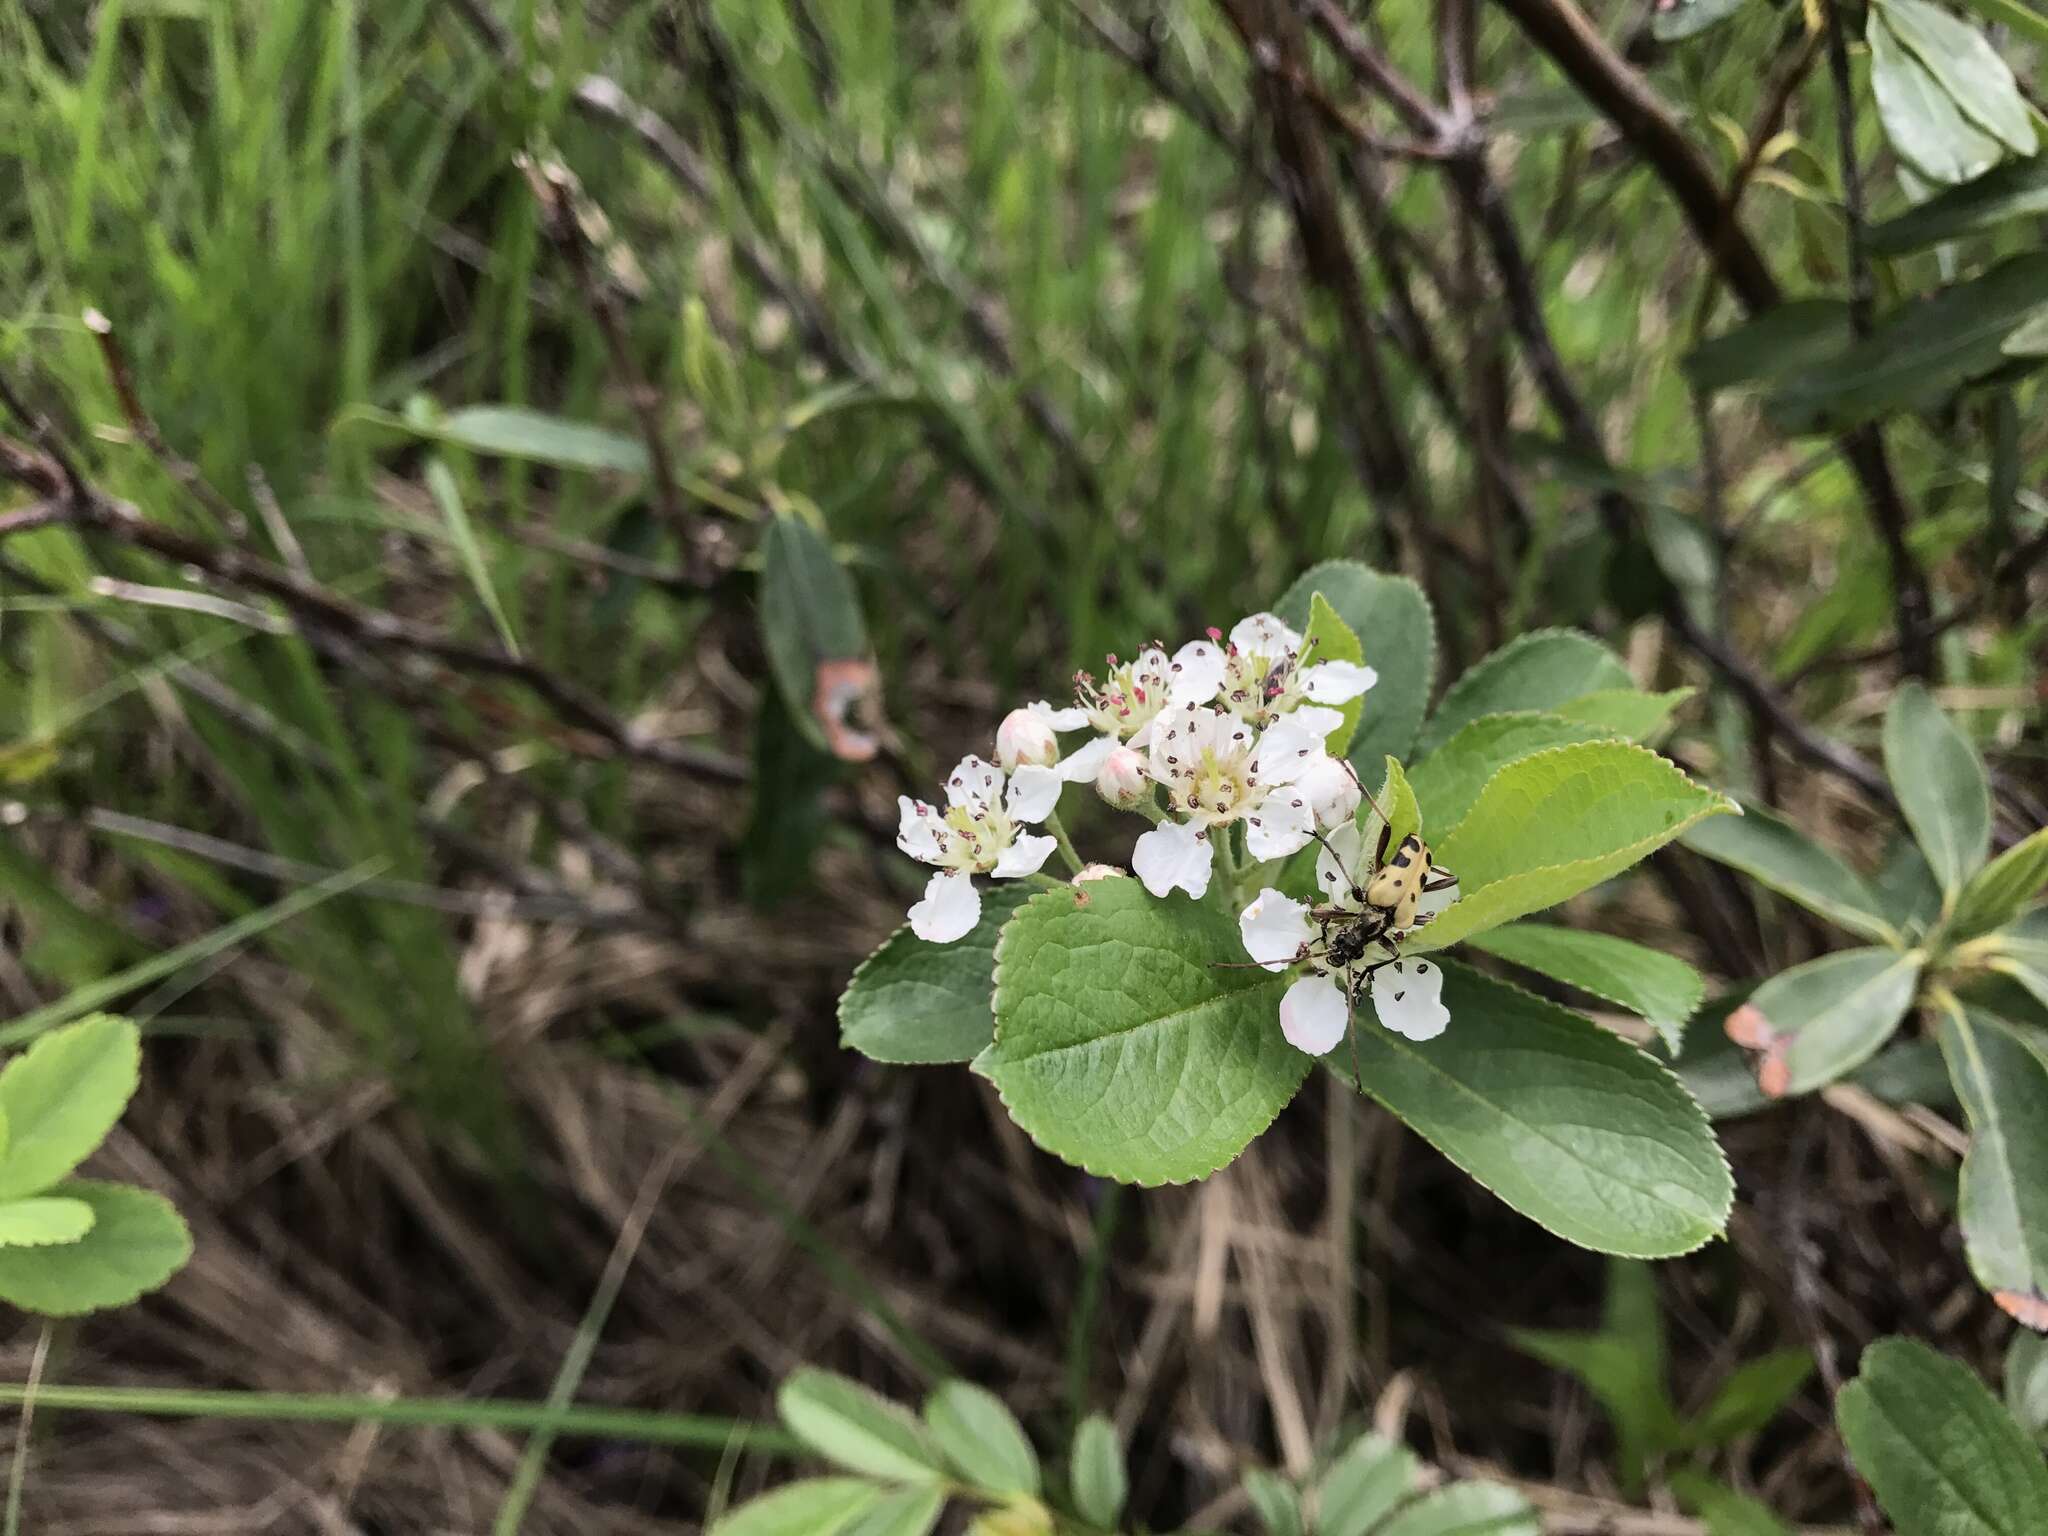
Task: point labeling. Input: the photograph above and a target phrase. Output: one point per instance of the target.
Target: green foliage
(1967, 73)
(1942, 1456)
(1775, 345)
(1095, 1470)
(1688, 18)
(813, 632)
(61, 1096)
(1833, 1014)
(1371, 1488)
(134, 1243)
(1363, 1485)
(1661, 988)
(1539, 671)
(1941, 786)
(2013, 189)
(1328, 638)
(912, 1002)
(1449, 780)
(41, 1220)
(2002, 890)
(2026, 1382)
(812, 1506)
(1391, 619)
(855, 1428)
(1770, 849)
(2001, 1076)
(982, 1439)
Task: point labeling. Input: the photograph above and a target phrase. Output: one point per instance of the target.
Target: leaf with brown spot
(2030, 1309)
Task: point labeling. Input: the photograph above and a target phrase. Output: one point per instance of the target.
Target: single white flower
(1266, 676)
(1026, 737)
(978, 833)
(1121, 708)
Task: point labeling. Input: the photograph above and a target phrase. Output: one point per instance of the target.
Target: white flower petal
(1033, 793)
(1173, 856)
(1409, 998)
(917, 829)
(1274, 928)
(974, 782)
(1314, 1014)
(1196, 672)
(1026, 856)
(1319, 719)
(1337, 682)
(1332, 791)
(1288, 750)
(1280, 826)
(1429, 903)
(1072, 718)
(1262, 634)
(1081, 765)
(1335, 874)
(950, 909)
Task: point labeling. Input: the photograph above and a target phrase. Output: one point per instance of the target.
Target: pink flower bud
(1122, 779)
(1024, 738)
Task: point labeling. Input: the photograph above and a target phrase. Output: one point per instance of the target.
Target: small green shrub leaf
(813, 1506)
(1363, 1486)
(43, 1220)
(901, 1512)
(1626, 712)
(2013, 189)
(915, 1003)
(1622, 1365)
(1278, 1505)
(61, 1096)
(1772, 850)
(136, 1242)
(1925, 125)
(1329, 638)
(509, 432)
(1448, 781)
(816, 639)
(1096, 1472)
(857, 1429)
(1966, 66)
(1721, 1509)
(1754, 1394)
(982, 1439)
(1391, 619)
(2002, 889)
(1775, 345)
(1539, 670)
(1467, 1509)
(1662, 988)
(1572, 1126)
(1128, 1041)
(1935, 1446)
(2026, 1381)
(1939, 779)
(1827, 1017)
(2002, 1080)
(1556, 823)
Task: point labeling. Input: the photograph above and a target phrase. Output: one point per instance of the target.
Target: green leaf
(1676, 20)
(61, 1096)
(512, 432)
(1918, 355)
(1397, 799)
(1775, 345)
(1830, 1015)
(1966, 66)
(2002, 889)
(857, 1429)
(914, 1003)
(1539, 670)
(1626, 711)
(1622, 1365)
(1100, 1484)
(1467, 1509)
(1128, 1041)
(1661, 988)
(901, 1512)
(1922, 120)
(1274, 1498)
(1769, 849)
(1940, 782)
(982, 1439)
(136, 1243)
(1391, 619)
(1722, 1510)
(2003, 1083)
(815, 636)
(1942, 1456)
(1363, 1485)
(1750, 1398)
(447, 496)
(1715, 1070)
(2012, 189)
(813, 1506)
(1556, 823)
(2026, 1381)
(42, 1220)
(1572, 1126)
(1449, 780)
(1329, 638)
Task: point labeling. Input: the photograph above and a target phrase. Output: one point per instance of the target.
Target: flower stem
(1066, 844)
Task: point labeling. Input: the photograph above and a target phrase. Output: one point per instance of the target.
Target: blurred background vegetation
(419, 777)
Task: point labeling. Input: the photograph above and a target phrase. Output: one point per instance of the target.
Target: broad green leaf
(42, 1220)
(1661, 988)
(1391, 619)
(1363, 1485)
(1923, 122)
(1715, 1070)
(1622, 1365)
(914, 1003)
(1906, 887)
(1919, 354)
(815, 637)
(1908, 1072)
(1776, 344)
(2013, 189)
(1572, 1126)
(2029, 339)
(1467, 1509)
(1940, 782)
(857, 1429)
(1096, 1473)
(1274, 1498)
(136, 1243)
(1128, 1038)
(2003, 1083)
(1556, 823)
(1769, 849)
(2026, 1381)
(61, 1096)
(982, 1439)
(1626, 711)
(1539, 670)
(1754, 1394)
(1830, 1015)
(1397, 799)
(2021, 954)
(1722, 1510)
(1966, 66)
(1450, 778)
(1676, 20)
(2002, 889)
(1942, 1456)
(909, 1511)
(813, 1506)
(1329, 638)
